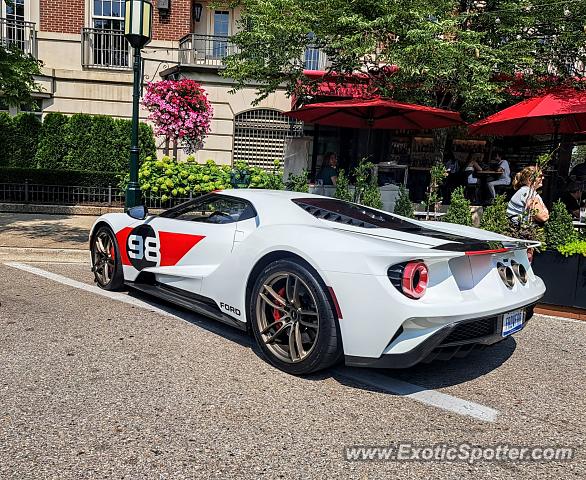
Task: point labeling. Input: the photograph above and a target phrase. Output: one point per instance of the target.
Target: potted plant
(562, 265)
(459, 210)
(403, 206)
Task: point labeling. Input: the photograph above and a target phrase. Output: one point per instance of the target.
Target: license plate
(513, 321)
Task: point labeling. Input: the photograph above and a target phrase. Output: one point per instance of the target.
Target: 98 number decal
(143, 247)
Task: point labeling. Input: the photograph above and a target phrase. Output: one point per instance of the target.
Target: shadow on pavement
(43, 228)
(427, 376)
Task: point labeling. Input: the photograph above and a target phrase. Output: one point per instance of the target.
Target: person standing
(505, 178)
(329, 171)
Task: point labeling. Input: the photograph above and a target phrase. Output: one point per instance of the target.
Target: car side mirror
(139, 212)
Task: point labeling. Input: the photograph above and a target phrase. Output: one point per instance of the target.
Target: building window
(312, 60)
(15, 29)
(260, 135)
(109, 14)
(221, 29)
(109, 47)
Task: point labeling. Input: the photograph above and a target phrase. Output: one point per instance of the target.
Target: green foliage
(578, 155)
(146, 142)
(26, 131)
(456, 55)
(272, 180)
(403, 206)
(559, 230)
(433, 199)
(298, 183)
(459, 210)
(526, 230)
(78, 137)
(102, 142)
(342, 191)
(366, 190)
(494, 218)
(6, 138)
(167, 178)
(52, 146)
(17, 71)
(577, 247)
(58, 177)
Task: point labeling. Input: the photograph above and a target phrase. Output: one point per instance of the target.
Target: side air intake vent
(332, 216)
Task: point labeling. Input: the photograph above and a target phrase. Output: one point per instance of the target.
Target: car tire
(106, 263)
(293, 319)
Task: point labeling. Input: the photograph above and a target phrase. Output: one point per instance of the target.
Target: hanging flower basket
(180, 111)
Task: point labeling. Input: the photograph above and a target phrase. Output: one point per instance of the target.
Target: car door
(186, 243)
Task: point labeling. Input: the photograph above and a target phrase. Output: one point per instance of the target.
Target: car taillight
(410, 278)
(530, 252)
(414, 282)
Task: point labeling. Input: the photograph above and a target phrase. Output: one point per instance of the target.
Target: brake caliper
(276, 313)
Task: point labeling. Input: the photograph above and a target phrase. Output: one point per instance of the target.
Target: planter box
(564, 277)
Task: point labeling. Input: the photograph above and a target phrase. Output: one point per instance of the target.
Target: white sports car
(318, 279)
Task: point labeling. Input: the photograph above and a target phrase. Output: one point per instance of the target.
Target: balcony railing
(207, 50)
(101, 48)
(19, 33)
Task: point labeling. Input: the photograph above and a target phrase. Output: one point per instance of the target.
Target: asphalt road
(99, 387)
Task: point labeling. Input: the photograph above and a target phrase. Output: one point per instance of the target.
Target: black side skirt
(191, 301)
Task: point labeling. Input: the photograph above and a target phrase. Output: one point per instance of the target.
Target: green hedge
(6, 138)
(80, 142)
(53, 145)
(26, 129)
(59, 177)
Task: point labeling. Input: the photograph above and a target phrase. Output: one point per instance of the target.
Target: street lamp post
(138, 21)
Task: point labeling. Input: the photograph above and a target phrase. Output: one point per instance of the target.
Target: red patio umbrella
(376, 113)
(560, 112)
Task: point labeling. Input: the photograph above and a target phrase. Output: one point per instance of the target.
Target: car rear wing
(487, 247)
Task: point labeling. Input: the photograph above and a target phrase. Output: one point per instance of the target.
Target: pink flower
(179, 110)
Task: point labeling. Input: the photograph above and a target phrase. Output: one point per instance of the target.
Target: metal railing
(208, 50)
(75, 195)
(20, 34)
(101, 48)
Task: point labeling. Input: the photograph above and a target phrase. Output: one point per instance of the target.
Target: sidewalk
(45, 238)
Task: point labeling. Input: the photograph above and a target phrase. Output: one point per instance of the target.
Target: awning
(376, 113)
(562, 111)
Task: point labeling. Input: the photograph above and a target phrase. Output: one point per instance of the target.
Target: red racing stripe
(122, 239)
(174, 246)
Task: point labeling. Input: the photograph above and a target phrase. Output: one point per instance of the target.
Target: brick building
(87, 66)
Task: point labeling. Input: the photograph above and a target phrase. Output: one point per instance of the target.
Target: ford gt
(318, 280)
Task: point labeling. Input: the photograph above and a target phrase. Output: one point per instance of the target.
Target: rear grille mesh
(472, 330)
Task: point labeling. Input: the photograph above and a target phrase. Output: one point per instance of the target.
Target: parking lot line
(415, 392)
(362, 376)
(88, 288)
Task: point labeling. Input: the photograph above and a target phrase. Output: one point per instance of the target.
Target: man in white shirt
(505, 179)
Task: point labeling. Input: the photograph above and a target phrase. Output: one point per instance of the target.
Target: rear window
(351, 214)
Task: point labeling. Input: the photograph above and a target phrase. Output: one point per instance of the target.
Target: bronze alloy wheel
(105, 260)
(287, 317)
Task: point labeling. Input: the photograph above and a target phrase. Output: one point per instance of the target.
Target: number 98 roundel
(142, 247)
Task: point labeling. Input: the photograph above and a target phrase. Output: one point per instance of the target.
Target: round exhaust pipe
(506, 274)
(520, 272)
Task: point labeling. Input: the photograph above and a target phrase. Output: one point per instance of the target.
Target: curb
(95, 211)
(59, 255)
